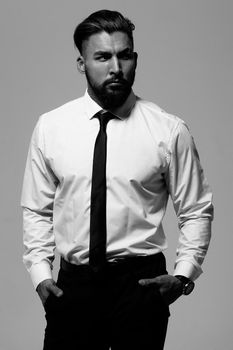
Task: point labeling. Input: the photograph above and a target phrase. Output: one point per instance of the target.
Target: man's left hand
(169, 286)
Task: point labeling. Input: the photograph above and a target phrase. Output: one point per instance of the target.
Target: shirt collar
(121, 112)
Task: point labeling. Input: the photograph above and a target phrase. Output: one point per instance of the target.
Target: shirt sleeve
(192, 200)
(39, 187)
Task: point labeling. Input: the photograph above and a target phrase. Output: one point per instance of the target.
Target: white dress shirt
(150, 155)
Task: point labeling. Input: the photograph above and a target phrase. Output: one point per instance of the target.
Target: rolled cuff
(40, 272)
(187, 269)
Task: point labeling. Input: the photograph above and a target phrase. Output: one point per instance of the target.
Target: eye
(125, 55)
(103, 57)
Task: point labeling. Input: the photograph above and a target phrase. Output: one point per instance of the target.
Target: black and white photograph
(117, 173)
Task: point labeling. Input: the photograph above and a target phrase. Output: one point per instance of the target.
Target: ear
(81, 64)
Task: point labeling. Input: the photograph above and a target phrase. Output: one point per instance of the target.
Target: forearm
(39, 245)
(193, 244)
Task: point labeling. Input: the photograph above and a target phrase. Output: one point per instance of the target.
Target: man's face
(109, 63)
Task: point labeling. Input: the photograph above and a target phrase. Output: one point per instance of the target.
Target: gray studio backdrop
(185, 65)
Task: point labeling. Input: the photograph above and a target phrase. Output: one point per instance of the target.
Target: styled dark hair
(103, 20)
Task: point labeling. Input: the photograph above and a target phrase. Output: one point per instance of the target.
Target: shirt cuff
(187, 269)
(40, 272)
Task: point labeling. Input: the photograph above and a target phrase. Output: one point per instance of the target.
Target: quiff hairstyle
(103, 20)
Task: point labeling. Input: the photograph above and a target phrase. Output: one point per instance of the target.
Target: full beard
(111, 96)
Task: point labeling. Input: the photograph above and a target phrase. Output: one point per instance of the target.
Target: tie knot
(104, 118)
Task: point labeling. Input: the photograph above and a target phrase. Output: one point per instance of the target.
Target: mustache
(115, 80)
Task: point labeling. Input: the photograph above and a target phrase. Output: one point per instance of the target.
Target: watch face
(188, 288)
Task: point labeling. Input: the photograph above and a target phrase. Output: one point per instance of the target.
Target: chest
(134, 152)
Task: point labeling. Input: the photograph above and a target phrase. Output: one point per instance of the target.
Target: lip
(115, 83)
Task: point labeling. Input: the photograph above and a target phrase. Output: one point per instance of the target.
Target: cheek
(129, 72)
(129, 68)
(97, 73)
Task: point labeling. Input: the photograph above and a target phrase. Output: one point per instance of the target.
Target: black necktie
(98, 229)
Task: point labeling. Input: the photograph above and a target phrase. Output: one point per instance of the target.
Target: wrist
(40, 272)
(187, 284)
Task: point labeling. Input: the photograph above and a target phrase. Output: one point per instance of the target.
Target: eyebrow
(102, 52)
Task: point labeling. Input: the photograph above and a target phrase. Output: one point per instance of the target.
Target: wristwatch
(188, 284)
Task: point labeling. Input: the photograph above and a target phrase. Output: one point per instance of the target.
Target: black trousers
(108, 310)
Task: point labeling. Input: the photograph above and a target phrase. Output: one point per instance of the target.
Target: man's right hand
(47, 287)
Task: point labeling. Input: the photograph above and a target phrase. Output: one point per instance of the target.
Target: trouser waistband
(123, 265)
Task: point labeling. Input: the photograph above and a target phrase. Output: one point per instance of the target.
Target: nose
(115, 67)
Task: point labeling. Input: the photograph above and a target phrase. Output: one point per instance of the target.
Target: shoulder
(63, 113)
(157, 116)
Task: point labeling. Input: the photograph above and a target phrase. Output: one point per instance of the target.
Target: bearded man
(99, 173)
